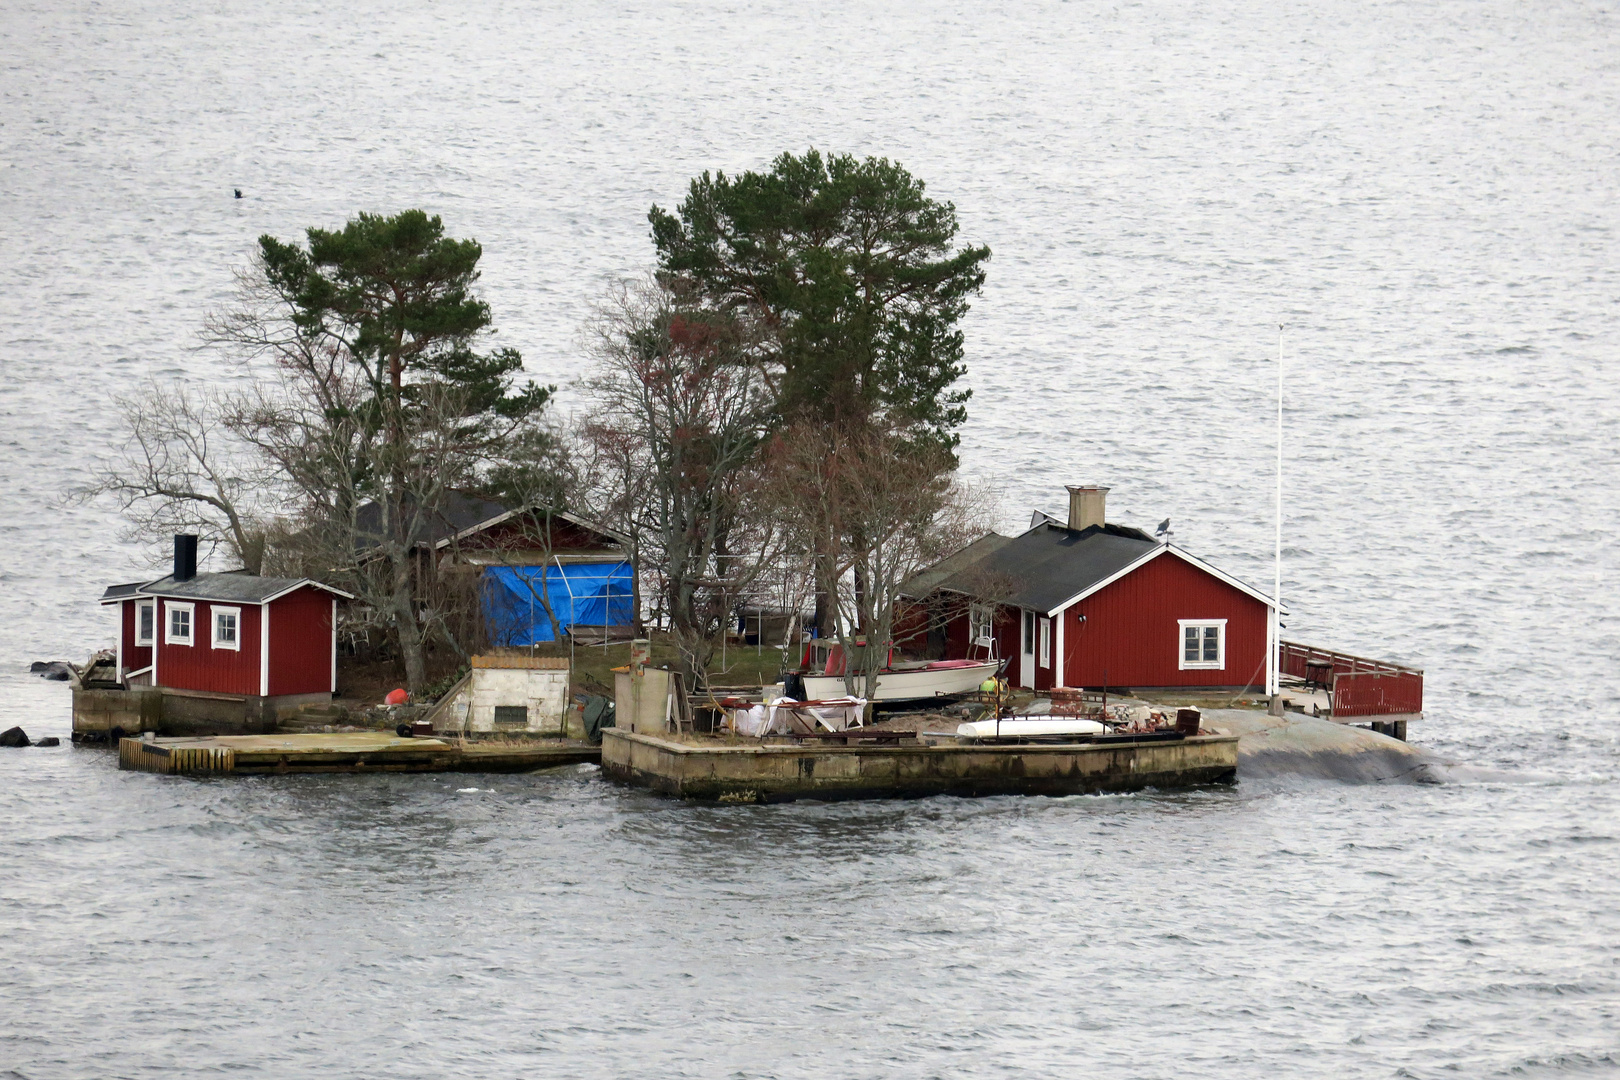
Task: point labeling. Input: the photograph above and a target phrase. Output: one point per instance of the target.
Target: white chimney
(1087, 506)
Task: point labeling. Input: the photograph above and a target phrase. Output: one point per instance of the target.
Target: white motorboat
(1021, 727)
(924, 682)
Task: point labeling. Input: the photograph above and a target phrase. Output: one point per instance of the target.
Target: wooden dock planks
(342, 752)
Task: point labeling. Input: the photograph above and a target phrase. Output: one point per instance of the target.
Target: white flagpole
(1276, 593)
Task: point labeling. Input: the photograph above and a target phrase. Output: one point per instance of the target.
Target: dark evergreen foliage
(395, 294)
(853, 269)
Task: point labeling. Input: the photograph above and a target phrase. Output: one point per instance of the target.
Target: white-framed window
(177, 630)
(1029, 633)
(1202, 643)
(981, 624)
(145, 621)
(1046, 641)
(228, 628)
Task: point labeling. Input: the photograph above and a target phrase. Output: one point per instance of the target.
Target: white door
(1026, 651)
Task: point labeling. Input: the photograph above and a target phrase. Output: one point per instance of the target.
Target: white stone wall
(544, 692)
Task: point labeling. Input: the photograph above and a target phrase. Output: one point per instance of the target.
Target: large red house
(236, 634)
(1089, 604)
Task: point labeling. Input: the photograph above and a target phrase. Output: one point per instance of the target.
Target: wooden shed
(1088, 603)
(236, 634)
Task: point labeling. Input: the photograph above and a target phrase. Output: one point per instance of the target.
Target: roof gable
(1158, 551)
(465, 516)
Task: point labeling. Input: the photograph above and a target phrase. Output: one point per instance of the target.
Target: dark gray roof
(229, 588)
(1049, 564)
(930, 580)
(459, 513)
(462, 513)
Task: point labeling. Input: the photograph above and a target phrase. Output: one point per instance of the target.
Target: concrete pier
(350, 752)
(715, 771)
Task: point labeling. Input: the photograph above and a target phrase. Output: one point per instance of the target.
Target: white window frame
(149, 639)
(213, 620)
(171, 606)
(1181, 645)
(1043, 631)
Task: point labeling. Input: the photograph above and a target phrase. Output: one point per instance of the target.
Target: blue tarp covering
(580, 594)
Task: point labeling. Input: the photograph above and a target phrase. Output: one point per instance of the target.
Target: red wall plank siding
(1007, 638)
(1377, 693)
(300, 643)
(135, 656)
(957, 646)
(1131, 630)
(910, 625)
(200, 666)
(1046, 677)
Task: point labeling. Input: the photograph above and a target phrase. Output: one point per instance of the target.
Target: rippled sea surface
(1423, 195)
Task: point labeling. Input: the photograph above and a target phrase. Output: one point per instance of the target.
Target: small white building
(509, 693)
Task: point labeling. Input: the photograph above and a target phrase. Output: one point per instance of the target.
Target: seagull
(1163, 530)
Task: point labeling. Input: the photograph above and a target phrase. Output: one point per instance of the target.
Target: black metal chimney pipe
(185, 557)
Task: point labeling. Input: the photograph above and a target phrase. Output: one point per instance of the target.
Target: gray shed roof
(117, 592)
(952, 566)
(227, 588)
(1050, 566)
(459, 513)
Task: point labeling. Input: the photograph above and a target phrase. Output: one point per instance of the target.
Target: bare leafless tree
(181, 468)
(612, 479)
(679, 406)
(873, 509)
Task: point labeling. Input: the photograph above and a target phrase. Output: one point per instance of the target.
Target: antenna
(1276, 594)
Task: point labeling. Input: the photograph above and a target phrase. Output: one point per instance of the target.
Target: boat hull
(924, 684)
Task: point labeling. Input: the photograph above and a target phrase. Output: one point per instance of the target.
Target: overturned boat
(1036, 727)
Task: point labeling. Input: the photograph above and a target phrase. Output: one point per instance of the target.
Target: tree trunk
(410, 634)
(638, 626)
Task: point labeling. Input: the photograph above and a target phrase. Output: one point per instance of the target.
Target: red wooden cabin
(1090, 604)
(227, 633)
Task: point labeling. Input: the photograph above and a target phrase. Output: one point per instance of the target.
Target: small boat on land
(917, 680)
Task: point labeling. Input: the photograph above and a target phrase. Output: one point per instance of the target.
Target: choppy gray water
(1424, 193)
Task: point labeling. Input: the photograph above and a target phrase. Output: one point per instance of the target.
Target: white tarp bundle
(785, 716)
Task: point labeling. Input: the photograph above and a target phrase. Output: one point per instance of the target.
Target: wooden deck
(346, 752)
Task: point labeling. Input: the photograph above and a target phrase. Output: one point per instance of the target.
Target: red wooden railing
(1360, 687)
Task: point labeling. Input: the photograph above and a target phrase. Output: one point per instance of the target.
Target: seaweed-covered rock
(14, 737)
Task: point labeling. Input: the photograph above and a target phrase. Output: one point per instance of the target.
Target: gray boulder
(1271, 747)
(14, 737)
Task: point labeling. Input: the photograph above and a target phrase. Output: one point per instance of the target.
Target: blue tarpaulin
(580, 594)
